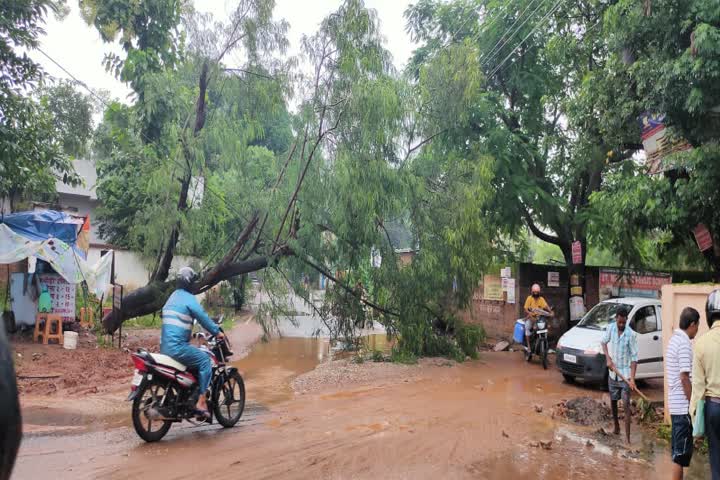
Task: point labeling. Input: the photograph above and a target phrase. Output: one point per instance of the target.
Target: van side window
(645, 320)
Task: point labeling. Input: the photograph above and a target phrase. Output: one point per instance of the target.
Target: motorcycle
(164, 392)
(539, 341)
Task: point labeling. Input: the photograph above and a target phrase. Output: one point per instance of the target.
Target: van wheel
(568, 378)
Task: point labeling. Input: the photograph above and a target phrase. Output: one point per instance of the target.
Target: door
(22, 302)
(646, 323)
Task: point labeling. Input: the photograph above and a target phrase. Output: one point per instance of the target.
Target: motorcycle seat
(168, 361)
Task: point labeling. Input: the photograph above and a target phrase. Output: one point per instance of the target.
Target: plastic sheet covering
(61, 256)
(43, 224)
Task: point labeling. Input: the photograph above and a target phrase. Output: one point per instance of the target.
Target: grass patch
(377, 356)
(404, 357)
(468, 338)
(146, 321)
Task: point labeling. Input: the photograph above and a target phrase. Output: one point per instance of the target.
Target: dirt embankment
(50, 370)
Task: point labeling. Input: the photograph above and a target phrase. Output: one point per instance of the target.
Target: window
(645, 320)
(601, 316)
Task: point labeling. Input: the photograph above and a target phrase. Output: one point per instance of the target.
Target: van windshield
(601, 315)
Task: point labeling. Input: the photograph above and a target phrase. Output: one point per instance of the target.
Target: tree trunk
(152, 297)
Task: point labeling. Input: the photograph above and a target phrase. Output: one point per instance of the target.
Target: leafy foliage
(31, 145)
(529, 63)
(664, 61)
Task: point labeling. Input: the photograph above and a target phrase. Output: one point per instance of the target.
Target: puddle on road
(271, 366)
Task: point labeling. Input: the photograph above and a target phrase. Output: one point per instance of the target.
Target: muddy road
(433, 420)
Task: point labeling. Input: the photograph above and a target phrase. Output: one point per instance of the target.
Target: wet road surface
(475, 420)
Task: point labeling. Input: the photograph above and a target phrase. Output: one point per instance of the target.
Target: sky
(79, 49)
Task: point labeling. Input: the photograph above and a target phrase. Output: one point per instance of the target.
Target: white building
(130, 269)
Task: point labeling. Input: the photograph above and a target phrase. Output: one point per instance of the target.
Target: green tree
(358, 162)
(663, 59)
(31, 150)
(530, 61)
(71, 113)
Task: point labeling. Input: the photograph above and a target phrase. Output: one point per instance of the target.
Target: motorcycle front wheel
(148, 429)
(230, 400)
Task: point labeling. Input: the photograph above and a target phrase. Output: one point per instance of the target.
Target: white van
(579, 353)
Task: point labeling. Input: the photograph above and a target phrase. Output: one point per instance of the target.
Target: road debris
(501, 346)
(583, 411)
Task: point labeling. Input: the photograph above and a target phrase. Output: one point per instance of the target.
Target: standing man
(622, 358)
(535, 301)
(706, 380)
(678, 361)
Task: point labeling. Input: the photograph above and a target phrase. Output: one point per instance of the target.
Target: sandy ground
(432, 420)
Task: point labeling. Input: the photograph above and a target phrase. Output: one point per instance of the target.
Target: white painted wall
(132, 272)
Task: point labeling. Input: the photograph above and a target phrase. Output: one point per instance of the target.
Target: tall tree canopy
(529, 61)
(664, 59)
(317, 190)
(34, 147)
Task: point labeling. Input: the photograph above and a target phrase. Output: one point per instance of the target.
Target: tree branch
(351, 291)
(423, 143)
(162, 268)
(539, 233)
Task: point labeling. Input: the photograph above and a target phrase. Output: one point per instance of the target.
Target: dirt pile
(583, 411)
(49, 369)
(343, 373)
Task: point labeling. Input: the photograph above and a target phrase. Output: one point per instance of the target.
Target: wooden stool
(50, 320)
(87, 317)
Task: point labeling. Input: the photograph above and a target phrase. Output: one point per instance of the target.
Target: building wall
(674, 298)
(498, 317)
(82, 206)
(130, 269)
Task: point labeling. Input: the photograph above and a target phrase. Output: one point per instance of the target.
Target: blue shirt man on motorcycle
(177, 324)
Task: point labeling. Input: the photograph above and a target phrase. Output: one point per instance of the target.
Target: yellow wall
(674, 299)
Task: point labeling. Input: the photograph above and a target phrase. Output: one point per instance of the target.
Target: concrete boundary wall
(674, 298)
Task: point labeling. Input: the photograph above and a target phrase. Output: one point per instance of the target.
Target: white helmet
(186, 277)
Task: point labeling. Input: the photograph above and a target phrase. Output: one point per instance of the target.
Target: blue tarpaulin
(43, 224)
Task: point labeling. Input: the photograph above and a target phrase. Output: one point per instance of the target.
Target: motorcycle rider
(177, 324)
(533, 302)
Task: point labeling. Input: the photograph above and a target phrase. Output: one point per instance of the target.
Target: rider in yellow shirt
(534, 302)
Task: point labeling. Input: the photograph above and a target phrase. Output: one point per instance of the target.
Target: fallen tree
(254, 248)
(362, 169)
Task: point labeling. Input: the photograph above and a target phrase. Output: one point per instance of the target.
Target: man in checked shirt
(622, 357)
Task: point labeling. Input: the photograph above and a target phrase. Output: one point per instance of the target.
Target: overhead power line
(539, 23)
(503, 39)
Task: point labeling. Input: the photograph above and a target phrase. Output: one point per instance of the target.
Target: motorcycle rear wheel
(151, 392)
(229, 401)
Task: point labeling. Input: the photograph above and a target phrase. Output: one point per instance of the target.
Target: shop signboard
(625, 283)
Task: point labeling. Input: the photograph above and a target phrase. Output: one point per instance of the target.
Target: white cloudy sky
(80, 50)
